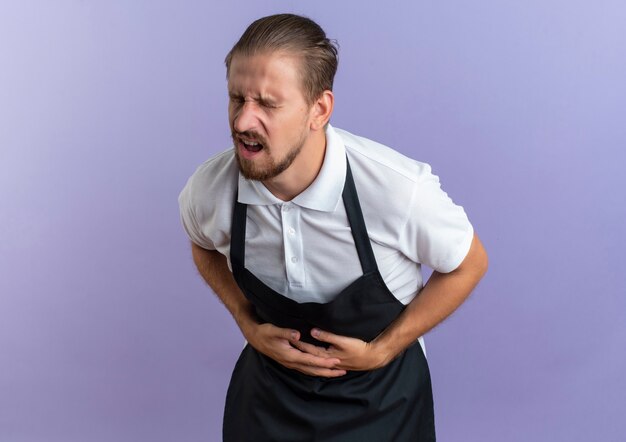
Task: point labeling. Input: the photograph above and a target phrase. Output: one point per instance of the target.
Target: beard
(271, 168)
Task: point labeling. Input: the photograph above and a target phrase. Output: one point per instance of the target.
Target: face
(268, 114)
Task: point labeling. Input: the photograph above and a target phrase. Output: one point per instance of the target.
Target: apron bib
(269, 402)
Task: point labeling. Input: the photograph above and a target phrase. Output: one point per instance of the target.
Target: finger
(329, 337)
(285, 333)
(297, 356)
(311, 349)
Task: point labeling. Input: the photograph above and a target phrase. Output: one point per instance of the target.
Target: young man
(313, 239)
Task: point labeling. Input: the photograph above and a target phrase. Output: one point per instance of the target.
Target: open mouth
(252, 146)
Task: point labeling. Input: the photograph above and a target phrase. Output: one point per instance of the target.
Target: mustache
(250, 135)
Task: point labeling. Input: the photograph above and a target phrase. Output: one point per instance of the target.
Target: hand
(353, 353)
(280, 345)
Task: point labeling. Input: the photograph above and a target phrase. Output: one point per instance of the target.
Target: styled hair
(298, 36)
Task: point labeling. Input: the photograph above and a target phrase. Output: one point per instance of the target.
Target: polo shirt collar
(324, 192)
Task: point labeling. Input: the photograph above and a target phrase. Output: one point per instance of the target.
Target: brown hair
(299, 36)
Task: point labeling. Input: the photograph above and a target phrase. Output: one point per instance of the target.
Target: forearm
(213, 268)
(442, 295)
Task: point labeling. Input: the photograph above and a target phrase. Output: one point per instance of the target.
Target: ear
(322, 110)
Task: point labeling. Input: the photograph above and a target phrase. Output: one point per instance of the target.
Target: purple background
(108, 334)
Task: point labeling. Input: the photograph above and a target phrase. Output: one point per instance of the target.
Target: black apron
(267, 401)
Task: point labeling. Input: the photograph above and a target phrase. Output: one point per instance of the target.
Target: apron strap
(238, 238)
(357, 224)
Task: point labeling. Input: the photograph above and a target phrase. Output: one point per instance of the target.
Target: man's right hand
(276, 343)
(268, 339)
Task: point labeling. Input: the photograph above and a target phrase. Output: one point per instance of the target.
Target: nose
(245, 118)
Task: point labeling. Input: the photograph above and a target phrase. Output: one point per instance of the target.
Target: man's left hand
(353, 353)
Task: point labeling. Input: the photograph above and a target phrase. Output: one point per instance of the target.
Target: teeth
(249, 143)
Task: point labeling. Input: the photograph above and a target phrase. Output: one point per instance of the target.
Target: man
(313, 239)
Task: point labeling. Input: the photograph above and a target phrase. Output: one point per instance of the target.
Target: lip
(245, 153)
(249, 140)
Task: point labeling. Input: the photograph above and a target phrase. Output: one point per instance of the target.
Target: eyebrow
(260, 99)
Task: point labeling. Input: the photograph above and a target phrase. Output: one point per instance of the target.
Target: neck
(303, 171)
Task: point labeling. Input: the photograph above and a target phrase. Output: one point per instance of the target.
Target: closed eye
(239, 99)
(236, 99)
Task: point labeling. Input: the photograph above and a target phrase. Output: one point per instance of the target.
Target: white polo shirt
(304, 248)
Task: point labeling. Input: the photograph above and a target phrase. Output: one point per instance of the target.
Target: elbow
(476, 262)
(483, 265)
(481, 259)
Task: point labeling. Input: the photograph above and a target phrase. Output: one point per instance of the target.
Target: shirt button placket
(292, 244)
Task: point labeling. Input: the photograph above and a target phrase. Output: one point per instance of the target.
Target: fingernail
(315, 332)
(294, 335)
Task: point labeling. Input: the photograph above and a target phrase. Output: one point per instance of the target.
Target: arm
(268, 339)
(442, 295)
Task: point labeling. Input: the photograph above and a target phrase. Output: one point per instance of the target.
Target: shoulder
(386, 182)
(213, 180)
(376, 160)
(403, 202)
(217, 170)
(209, 193)
(206, 201)
(382, 171)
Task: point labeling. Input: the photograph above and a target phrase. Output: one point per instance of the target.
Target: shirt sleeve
(189, 219)
(437, 232)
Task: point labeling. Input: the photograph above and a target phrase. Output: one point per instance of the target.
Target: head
(280, 77)
(296, 35)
